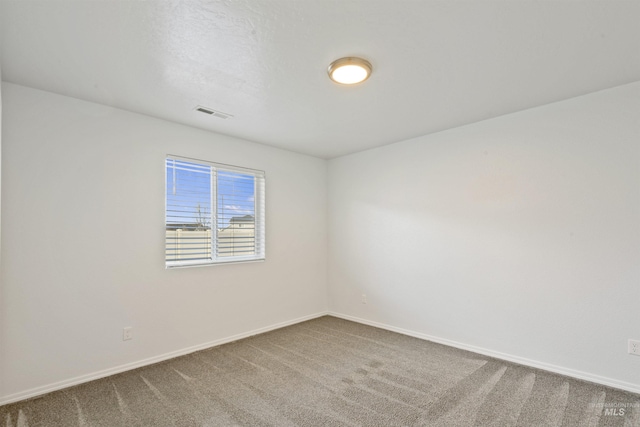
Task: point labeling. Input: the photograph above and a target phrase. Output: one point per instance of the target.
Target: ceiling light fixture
(349, 70)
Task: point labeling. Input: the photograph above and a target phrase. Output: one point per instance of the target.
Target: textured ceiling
(437, 64)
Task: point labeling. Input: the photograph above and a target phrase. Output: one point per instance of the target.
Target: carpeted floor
(330, 372)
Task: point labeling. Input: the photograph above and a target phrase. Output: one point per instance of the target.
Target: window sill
(207, 264)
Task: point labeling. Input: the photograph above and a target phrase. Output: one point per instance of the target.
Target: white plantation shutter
(214, 213)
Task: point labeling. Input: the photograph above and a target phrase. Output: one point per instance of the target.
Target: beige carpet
(330, 372)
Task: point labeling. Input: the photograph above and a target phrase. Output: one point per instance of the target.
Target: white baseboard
(609, 382)
(38, 391)
(149, 361)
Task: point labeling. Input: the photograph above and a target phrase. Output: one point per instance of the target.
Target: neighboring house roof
(246, 218)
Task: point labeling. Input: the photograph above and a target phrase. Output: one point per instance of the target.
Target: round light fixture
(349, 70)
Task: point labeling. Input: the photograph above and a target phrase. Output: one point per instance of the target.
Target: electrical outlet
(127, 333)
(634, 347)
(364, 298)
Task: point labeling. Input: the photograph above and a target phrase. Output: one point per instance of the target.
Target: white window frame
(259, 215)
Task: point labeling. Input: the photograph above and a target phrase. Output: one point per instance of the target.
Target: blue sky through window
(188, 197)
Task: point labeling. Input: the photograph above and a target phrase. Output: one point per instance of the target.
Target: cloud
(237, 209)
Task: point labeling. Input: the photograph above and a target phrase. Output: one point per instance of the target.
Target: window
(214, 213)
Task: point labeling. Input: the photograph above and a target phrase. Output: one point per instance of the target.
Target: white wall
(518, 235)
(99, 171)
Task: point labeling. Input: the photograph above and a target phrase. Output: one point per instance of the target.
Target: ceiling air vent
(212, 112)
